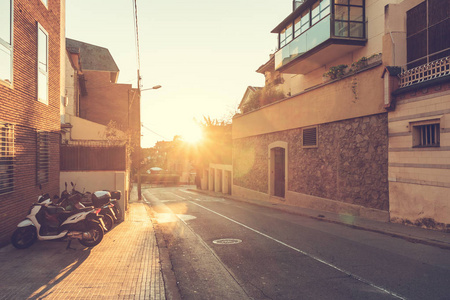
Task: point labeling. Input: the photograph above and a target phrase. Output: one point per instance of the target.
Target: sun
(192, 133)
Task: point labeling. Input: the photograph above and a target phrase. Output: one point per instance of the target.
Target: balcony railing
(432, 70)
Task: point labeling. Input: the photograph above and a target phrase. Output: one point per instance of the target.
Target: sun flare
(192, 133)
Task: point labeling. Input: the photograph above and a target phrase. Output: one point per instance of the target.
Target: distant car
(154, 170)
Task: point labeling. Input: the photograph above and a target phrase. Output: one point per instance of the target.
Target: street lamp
(139, 146)
(152, 88)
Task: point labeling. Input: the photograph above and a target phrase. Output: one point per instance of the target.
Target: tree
(268, 94)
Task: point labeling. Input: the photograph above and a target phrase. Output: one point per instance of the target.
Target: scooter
(99, 199)
(47, 221)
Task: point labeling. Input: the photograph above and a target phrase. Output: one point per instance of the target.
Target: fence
(93, 158)
(432, 70)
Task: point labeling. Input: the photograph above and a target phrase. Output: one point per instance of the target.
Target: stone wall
(350, 164)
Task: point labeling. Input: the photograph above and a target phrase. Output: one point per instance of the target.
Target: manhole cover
(227, 241)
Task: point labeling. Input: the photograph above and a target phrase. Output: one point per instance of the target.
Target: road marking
(178, 196)
(307, 254)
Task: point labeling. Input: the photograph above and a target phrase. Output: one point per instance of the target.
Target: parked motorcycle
(105, 200)
(48, 221)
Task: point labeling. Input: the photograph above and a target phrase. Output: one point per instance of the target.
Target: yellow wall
(332, 102)
(419, 178)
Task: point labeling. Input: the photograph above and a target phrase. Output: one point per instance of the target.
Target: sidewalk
(411, 233)
(125, 265)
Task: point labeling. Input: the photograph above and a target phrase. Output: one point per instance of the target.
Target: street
(225, 249)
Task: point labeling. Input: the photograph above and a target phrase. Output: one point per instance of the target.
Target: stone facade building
(327, 145)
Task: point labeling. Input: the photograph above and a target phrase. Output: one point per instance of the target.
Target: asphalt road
(225, 249)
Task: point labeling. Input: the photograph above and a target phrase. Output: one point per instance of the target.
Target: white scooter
(47, 221)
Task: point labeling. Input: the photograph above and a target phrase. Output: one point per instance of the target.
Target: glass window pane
(341, 28)
(325, 11)
(356, 30)
(289, 33)
(356, 13)
(5, 63)
(42, 87)
(5, 21)
(341, 12)
(345, 2)
(297, 25)
(324, 4)
(315, 9)
(42, 50)
(305, 18)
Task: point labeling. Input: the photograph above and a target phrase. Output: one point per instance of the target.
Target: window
(426, 133)
(6, 158)
(427, 32)
(286, 36)
(309, 137)
(6, 41)
(43, 157)
(302, 23)
(319, 10)
(349, 18)
(42, 66)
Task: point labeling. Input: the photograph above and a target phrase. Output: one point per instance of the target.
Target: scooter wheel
(109, 222)
(92, 236)
(24, 237)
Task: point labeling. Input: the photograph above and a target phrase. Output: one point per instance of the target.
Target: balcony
(314, 43)
(437, 69)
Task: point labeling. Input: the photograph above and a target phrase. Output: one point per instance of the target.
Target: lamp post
(139, 145)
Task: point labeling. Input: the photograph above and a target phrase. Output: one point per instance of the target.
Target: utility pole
(139, 137)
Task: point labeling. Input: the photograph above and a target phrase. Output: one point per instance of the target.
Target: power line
(136, 32)
(143, 126)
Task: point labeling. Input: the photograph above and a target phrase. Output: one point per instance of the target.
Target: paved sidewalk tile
(125, 265)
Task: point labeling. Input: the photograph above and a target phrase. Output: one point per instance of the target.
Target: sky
(204, 53)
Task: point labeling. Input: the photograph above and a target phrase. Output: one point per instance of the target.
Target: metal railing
(432, 70)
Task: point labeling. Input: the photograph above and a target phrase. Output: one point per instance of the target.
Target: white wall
(97, 180)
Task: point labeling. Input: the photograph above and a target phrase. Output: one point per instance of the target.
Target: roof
(250, 90)
(92, 57)
(268, 66)
(296, 12)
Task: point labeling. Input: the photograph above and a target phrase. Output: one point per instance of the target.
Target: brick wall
(19, 106)
(350, 164)
(108, 101)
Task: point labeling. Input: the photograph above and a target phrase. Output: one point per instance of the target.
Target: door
(279, 172)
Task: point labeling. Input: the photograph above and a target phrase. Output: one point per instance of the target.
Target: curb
(170, 283)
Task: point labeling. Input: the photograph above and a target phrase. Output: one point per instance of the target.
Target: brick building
(101, 99)
(30, 93)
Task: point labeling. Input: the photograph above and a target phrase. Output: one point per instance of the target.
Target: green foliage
(261, 97)
(336, 72)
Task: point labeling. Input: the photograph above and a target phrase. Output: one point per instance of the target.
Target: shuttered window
(427, 32)
(43, 157)
(309, 137)
(6, 158)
